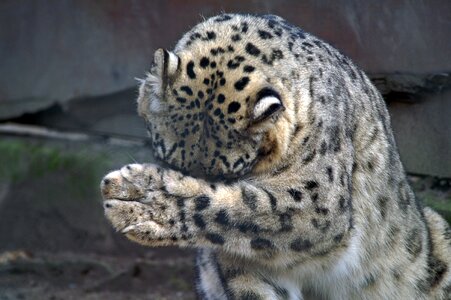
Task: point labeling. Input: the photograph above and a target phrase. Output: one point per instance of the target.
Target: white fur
(335, 282)
(209, 280)
(155, 84)
(172, 63)
(263, 105)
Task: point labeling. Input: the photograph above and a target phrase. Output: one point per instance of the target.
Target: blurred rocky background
(68, 116)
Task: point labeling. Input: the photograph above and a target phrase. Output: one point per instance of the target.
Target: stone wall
(53, 52)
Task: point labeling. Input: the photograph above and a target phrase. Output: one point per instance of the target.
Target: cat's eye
(268, 104)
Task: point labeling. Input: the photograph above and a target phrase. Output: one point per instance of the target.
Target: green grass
(20, 160)
(442, 206)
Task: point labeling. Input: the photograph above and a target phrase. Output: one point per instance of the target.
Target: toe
(123, 214)
(115, 186)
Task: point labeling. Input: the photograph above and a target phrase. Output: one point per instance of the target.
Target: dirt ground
(71, 276)
(56, 244)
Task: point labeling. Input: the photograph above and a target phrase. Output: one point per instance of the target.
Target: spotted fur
(279, 164)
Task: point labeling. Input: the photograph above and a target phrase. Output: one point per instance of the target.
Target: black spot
(181, 99)
(248, 295)
(370, 165)
(236, 37)
(222, 81)
(233, 107)
(201, 202)
(222, 217)
(244, 27)
(276, 54)
(241, 84)
(267, 92)
(221, 98)
(204, 62)
(272, 199)
(300, 245)
(338, 238)
(281, 292)
(300, 34)
(265, 34)
(342, 178)
(314, 197)
(187, 90)
(211, 35)
(309, 157)
(382, 201)
(286, 223)
(222, 18)
(180, 202)
(249, 198)
(436, 272)
(200, 94)
(248, 226)
(323, 148)
(190, 70)
(295, 194)
(296, 130)
(330, 174)
(261, 244)
(369, 281)
(239, 161)
(321, 226)
(252, 50)
(414, 243)
(213, 64)
(248, 69)
(321, 210)
(342, 204)
(310, 185)
(403, 197)
(215, 238)
(235, 62)
(335, 141)
(199, 221)
(232, 64)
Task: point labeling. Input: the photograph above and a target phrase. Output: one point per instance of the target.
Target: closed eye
(268, 103)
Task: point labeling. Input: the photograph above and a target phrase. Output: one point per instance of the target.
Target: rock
(423, 133)
(4, 189)
(410, 87)
(52, 52)
(53, 198)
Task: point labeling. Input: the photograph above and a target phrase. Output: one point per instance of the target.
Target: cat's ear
(268, 105)
(166, 63)
(164, 68)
